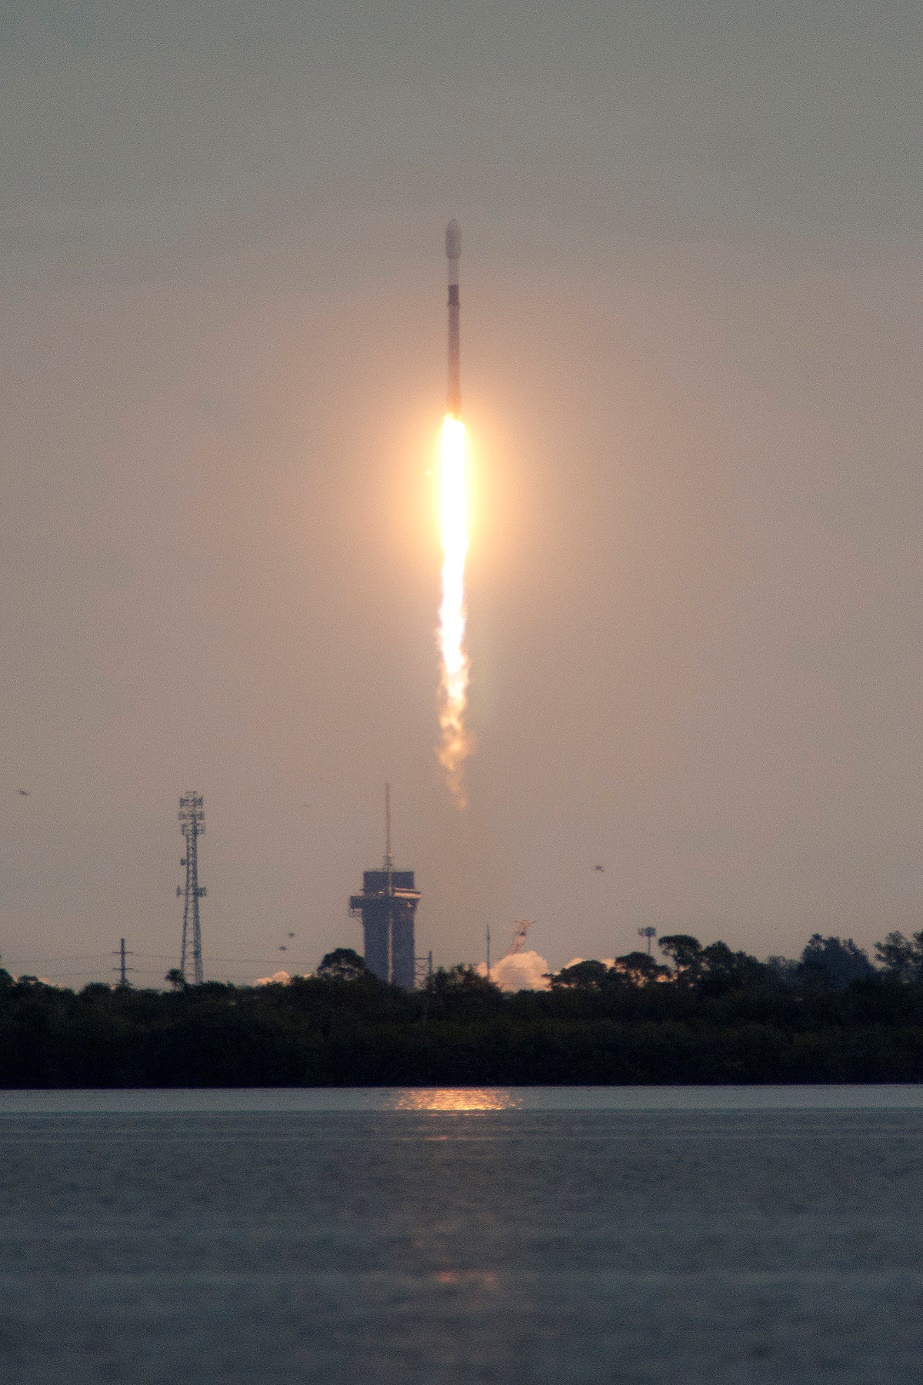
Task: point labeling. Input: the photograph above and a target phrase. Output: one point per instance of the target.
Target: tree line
(702, 1014)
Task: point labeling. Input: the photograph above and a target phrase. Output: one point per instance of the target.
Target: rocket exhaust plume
(455, 742)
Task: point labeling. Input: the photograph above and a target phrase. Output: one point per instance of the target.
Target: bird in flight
(598, 867)
(24, 792)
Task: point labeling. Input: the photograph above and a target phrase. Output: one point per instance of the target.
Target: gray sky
(691, 324)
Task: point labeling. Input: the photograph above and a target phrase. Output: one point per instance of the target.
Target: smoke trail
(455, 743)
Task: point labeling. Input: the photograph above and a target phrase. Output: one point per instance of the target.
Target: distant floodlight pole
(192, 818)
(648, 933)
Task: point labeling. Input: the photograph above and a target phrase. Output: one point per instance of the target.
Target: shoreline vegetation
(705, 1015)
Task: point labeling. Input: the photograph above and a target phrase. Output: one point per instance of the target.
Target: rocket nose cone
(453, 240)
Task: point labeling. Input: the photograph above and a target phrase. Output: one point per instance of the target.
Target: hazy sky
(691, 327)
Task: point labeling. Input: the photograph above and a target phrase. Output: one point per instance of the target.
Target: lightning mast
(192, 820)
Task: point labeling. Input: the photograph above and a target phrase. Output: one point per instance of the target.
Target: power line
(264, 964)
(146, 956)
(257, 961)
(76, 957)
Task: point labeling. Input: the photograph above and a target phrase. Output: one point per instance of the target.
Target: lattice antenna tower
(192, 825)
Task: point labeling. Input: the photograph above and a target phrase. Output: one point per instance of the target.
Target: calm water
(535, 1235)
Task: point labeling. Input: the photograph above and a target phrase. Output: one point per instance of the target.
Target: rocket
(453, 250)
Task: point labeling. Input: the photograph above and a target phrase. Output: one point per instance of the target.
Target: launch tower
(387, 906)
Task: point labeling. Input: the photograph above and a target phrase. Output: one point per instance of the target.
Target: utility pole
(122, 969)
(488, 951)
(192, 819)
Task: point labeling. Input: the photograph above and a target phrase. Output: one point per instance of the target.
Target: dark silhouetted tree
(685, 952)
(583, 976)
(640, 969)
(834, 962)
(343, 964)
(461, 991)
(722, 970)
(902, 957)
(785, 969)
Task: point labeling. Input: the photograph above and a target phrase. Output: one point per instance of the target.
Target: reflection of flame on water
(475, 1279)
(455, 1099)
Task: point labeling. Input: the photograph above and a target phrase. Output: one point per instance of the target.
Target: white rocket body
(453, 251)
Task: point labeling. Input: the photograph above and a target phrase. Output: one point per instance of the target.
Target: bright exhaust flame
(455, 743)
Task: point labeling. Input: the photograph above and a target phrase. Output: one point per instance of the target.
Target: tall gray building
(387, 906)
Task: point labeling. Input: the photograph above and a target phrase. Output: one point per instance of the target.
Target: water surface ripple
(462, 1235)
